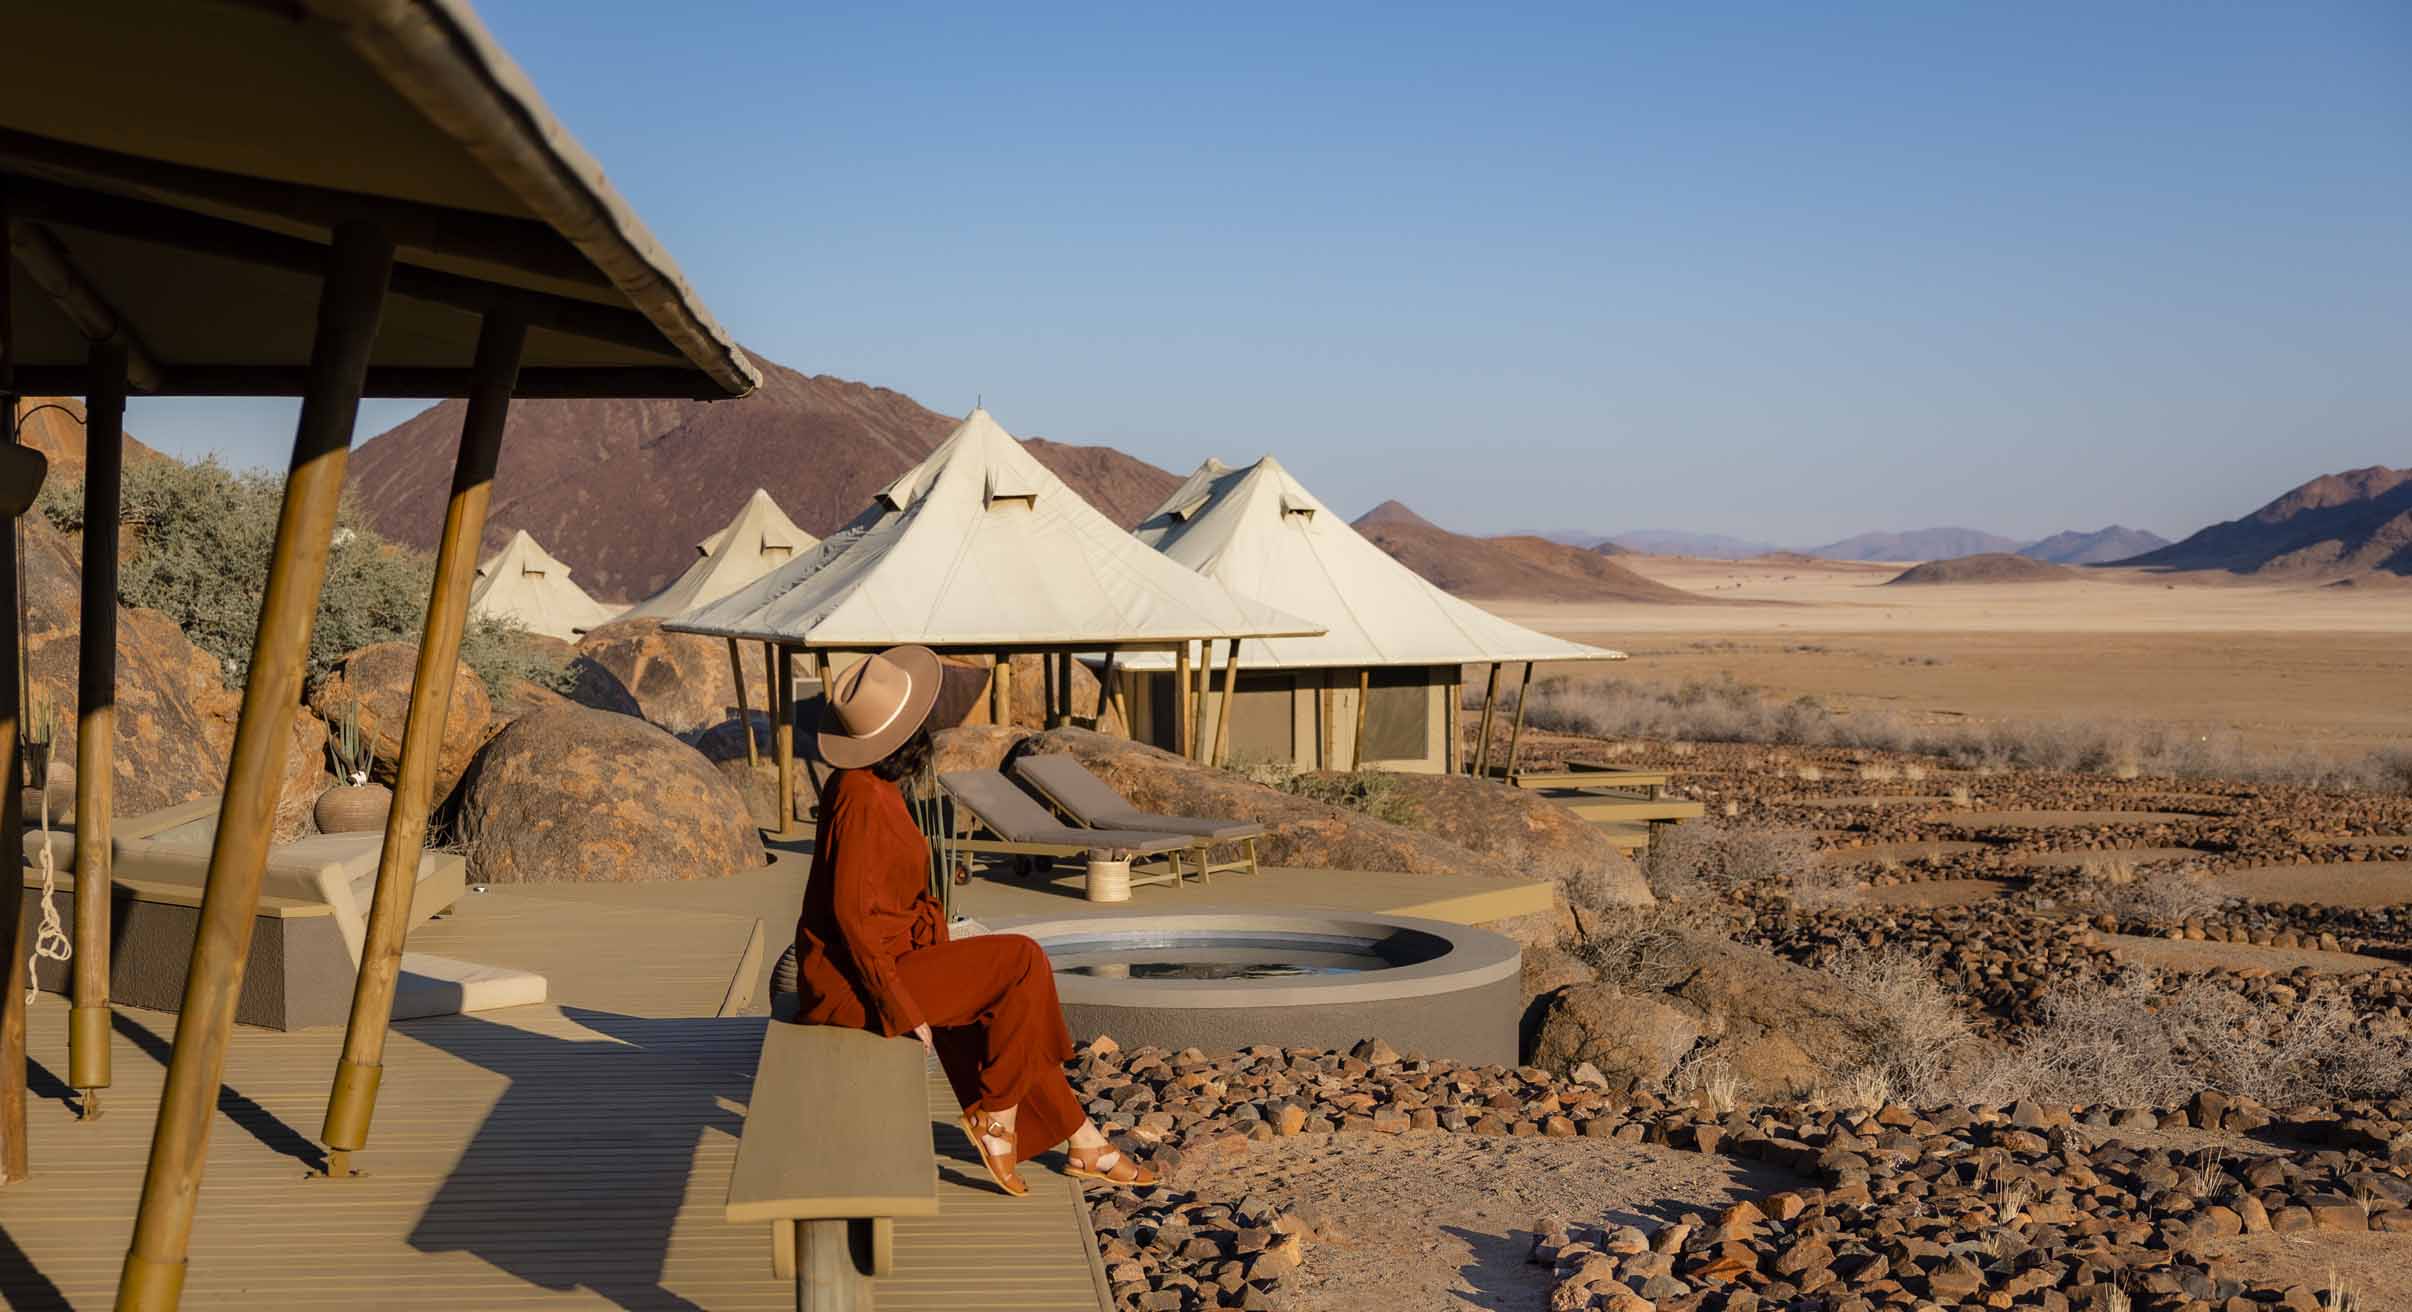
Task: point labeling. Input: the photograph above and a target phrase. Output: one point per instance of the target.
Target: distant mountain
(1570, 537)
(1676, 542)
(621, 490)
(1391, 512)
(54, 425)
(1518, 567)
(1916, 544)
(2337, 524)
(1989, 567)
(2099, 547)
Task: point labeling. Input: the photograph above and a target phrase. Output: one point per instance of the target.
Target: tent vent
(1291, 505)
(1003, 487)
(1192, 506)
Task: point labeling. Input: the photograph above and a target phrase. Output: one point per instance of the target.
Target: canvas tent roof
(760, 539)
(1259, 532)
(525, 583)
(174, 171)
(980, 547)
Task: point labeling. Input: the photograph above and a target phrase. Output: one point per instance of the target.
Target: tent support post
(1516, 735)
(351, 300)
(12, 798)
(745, 716)
(770, 678)
(96, 726)
(1198, 741)
(1222, 713)
(783, 735)
(1356, 745)
(1325, 752)
(1106, 691)
(1181, 698)
(1453, 711)
(352, 1101)
(1003, 690)
(1490, 709)
(816, 770)
(1046, 690)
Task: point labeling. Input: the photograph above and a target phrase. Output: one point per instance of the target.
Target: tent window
(1263, 731)
(779, 551)
(1398, 715)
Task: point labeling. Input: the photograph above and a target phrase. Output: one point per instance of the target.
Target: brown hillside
(1986, 567)
(60, 436)
(2337, 524)
(1509, 568)
(622, 490)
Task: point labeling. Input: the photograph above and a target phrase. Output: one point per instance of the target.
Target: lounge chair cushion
(1093, 801)
(1016, 817)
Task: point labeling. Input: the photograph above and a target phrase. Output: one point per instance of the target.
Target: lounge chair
(1064, 781)
(1024, 828)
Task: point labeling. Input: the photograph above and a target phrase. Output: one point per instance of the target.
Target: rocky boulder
(1635, 1042)
(679, 681)
(375, 681)
(174, 712)
(1782, 1029)
(572, 794)
(1514, 827)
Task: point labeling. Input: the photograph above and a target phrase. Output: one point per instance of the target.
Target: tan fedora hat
(878, 703)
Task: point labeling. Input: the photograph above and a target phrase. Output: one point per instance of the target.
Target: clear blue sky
(1780, 270)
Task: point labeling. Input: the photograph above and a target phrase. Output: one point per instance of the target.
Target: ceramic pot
(352, 808)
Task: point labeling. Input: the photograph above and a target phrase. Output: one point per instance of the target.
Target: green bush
(198, 541)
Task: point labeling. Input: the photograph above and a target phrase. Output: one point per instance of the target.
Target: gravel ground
(1435, 1221)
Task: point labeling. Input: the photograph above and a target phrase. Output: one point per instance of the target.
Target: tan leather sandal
(1106, 1163)
(984, 1128)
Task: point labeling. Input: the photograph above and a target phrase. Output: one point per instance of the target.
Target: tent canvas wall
(761, 538)
(1387, 630)
(523, 583)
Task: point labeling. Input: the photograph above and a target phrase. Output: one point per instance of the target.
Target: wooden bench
(1586, 776)
(836, 1147)
(1600, 810)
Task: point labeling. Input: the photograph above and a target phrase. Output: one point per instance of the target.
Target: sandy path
(2186, 955)
(2337, 884)
(1439, 1221)
(1936, 893)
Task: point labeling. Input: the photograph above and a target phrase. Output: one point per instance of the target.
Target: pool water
(1215, 957)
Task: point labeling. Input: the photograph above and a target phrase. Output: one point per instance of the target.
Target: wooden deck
(541, 1157)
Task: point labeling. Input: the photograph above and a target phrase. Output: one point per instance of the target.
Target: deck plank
(543, 1157)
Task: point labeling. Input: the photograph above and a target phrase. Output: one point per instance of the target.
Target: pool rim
(1474, 957)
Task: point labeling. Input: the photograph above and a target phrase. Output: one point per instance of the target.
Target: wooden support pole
(349, 305)
(1327, 752)
(770, 686)
(13, 1161)
(96, 725)
(1452, 711)
(1002, 689)
(1490, 709)
(745, 716)
(783, 734)
(1197, 717)
(1524, 692)
(1180, 709)
(1107, 693)
(1050, 708)
(1222, 715)
(352, 1099)
(1356, 746)
(816, 769)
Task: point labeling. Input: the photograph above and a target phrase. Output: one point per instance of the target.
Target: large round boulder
(571, 794)
(172, 698)
(679, 681)
(1634, 1042)
(375, 681)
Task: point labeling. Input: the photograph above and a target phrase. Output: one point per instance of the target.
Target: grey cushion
(1016, 817)
(1093, 801)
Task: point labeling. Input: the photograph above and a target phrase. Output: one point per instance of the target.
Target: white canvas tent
(1391, 637)
(980, 548)
(525, 584)
(760, 539)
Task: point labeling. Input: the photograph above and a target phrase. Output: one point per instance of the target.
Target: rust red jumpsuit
(872, 953)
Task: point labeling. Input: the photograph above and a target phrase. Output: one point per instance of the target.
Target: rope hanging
(51, 942)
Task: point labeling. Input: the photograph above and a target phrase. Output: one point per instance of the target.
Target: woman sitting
(872, 950)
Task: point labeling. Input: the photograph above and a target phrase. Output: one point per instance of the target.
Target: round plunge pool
(1308, 978)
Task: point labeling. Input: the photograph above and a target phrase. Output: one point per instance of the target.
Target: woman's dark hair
(909, 759)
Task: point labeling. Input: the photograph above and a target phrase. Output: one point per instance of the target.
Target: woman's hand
(922, 1032)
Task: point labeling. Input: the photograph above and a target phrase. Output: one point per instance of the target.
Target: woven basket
(352, 809)
(1109, 881)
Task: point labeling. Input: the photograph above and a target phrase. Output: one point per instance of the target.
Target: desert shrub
(1647, 949)
(2135, 1041)
(1589, 890)
(503, 653)
(1815, 884)
(2149, 895)
(198, 541)
(1370, 792)
(1685, 860)
(1915, 1032)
